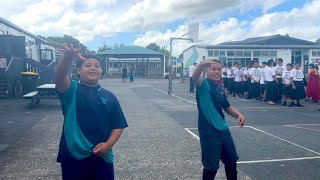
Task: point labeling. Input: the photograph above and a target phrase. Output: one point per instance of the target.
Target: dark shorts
(216, 145)
(225, 82)
(92, 167)
(286, 90)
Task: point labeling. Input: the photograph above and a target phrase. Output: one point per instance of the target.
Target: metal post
(170, 68)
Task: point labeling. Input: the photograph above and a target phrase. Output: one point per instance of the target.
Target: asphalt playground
(162, 141)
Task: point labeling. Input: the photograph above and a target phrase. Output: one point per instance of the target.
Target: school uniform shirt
(229, 73)
(269, 73)
(256, 74)
(286, 77)
(297, 75)
(233, 70)
(279, 69)
(245, 74)
(224, 70)
(262, 78)
(192, 68)
(98, 112)
(238, 75)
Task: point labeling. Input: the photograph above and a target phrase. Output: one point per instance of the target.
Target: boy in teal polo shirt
(93, 119)
(215, 138)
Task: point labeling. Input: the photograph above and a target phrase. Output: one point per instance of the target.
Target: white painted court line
(278, 160)
(194, 135)
(277, 137)
(264, 160)
(189, 95)
(298, 127)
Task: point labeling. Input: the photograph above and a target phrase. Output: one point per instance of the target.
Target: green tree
(104, 47)
(318, 41)
(118, 45)
(154, 46)
(59, 41)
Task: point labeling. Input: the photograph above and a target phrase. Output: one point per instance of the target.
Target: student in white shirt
(262, 82)
(238, 79)
(286, 81)
(279, 70)
(192, 68)
(230, 77)
(255, 76)
(246, 80)
(298, 91)
(224, 77)
(271, 82)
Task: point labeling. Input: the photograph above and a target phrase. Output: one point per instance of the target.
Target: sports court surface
(162, 139)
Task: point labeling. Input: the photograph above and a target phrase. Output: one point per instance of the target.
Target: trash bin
(29, 82)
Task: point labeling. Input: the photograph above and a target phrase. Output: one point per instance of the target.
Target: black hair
(289, 64)
(217, 61)
(87, 56)
(270, 62)
(229, 65)
(312, 65)
(280, 59)
(264, 63)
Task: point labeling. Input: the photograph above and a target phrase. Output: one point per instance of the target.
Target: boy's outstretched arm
(235, 113)
(64, 67)
(104, 147)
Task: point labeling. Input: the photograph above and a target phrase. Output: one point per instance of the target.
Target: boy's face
(289, 68)
(90, 71)
(214, 72)
(255, 65)
(264, 65)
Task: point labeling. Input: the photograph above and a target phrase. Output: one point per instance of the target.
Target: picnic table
(45, 91)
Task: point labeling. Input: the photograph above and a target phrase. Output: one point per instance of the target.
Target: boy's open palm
(71, 52)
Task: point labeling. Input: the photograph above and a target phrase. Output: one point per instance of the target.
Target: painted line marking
(298, 127)
(277, 137)
(190, 132)
(258, 161)
(277, 160)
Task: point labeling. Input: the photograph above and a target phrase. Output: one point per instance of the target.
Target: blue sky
(141, 22)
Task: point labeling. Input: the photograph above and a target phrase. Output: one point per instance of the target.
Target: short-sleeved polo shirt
(98, 112)
(219, 100)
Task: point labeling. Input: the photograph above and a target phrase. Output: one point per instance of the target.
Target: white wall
(194, 54)
(285, 55)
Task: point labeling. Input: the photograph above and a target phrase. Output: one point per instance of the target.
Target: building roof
(8, 23)
(131, 52)
(266, 42)
(271, 40)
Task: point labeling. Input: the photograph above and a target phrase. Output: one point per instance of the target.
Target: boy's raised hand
(70, 53)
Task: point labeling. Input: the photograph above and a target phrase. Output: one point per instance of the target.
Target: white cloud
(300, 23)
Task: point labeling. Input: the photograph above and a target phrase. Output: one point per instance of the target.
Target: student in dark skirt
(238, 81)
(286, 83)
(246, 81)
(255, 76)
(230, 78)
(262, 82)
(271, 82)
(298, 92)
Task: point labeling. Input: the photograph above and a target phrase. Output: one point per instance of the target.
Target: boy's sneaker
(284, 103)
(299, 105)
(291, 104)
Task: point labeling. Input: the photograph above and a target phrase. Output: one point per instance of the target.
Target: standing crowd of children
(271, 82)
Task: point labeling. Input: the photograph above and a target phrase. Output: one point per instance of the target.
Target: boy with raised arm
(93, 119)
(215, 138)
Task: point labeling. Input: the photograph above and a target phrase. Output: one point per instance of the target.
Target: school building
(291, 50)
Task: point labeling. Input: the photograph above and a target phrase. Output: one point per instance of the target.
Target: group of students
(272, 82)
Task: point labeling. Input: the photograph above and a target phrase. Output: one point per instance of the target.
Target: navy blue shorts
(92, 167)
(216, 145)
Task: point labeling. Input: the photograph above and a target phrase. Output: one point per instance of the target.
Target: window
(256, 53)
(265, 53)
(239, 53)
(210, 53)
(216, 54)
(273, 53)
(230, 53)
(1, 32)
(222, 54)
(314, 53)
(247, 53)
(318, 54)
